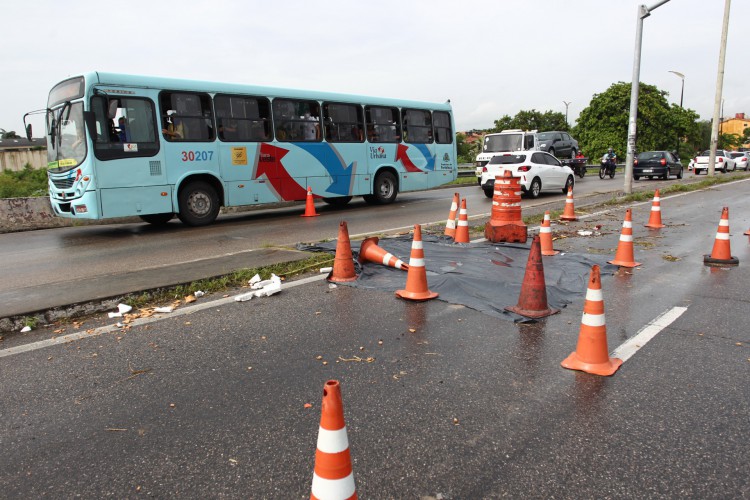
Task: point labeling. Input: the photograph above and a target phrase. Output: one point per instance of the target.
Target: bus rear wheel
(384, 190)
(157, 219)
(199, 204)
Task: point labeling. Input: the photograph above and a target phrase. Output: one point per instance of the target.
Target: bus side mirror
(89, 118)
(28, 131)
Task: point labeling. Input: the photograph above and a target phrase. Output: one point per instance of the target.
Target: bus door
(446, 166)
(130, 171)
(419, 141)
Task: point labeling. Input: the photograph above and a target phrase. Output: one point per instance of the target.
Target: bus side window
(343, 122)
(383, 124)
(442, 123)
(417, 126)
(191, 117)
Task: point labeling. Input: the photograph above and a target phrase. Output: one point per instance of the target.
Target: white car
(723, 162)
(539, 171)
(741, 159)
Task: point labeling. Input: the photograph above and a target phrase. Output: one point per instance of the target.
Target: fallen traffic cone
(654, 220)
(369, 250)
(309, 205)
(343, 263)
(721, 255)
(591, 354)
(416, 279)
(545, 236)
(569, 213)
(624, 255)
(462, 231)
(532, 302)
(450, 224)
(333, 476)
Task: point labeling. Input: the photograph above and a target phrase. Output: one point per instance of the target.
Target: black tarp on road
(484, 276)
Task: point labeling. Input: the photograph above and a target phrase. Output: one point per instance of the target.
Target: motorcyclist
(610, 155)
(610, 158)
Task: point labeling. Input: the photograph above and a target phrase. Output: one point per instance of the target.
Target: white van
(504, 142)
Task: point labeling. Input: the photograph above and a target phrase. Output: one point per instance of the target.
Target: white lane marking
(138, 322)
(631, 346)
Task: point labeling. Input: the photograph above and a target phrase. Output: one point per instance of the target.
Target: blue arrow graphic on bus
(340, 172)
(427, 156)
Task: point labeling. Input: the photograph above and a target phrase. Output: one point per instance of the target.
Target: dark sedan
(659, 164)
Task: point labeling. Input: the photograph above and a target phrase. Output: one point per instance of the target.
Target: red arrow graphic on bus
(405, 160)
(269, 164)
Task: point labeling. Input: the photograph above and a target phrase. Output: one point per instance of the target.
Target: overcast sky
(490, 58)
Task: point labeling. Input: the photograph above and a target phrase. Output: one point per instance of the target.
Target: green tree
(463, 149)
(730, 141)
(8, 135)
(604, 123)
(503, 123)
(532, 120)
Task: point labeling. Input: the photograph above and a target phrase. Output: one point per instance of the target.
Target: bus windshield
(503, 142)
(66, 137)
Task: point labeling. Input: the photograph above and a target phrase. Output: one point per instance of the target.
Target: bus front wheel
(199, 204)
(384, 189)
(157, 219)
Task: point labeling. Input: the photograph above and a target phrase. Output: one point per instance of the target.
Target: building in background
(736, 125)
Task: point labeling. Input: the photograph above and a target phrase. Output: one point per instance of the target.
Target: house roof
(22, 143)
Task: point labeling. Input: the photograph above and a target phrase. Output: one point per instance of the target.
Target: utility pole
(719, 87)
(643, 13)
(566, 111)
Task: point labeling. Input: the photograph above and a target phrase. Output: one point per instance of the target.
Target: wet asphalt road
(53, 268)
(211, 402)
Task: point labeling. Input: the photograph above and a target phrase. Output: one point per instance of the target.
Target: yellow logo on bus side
(239, 156)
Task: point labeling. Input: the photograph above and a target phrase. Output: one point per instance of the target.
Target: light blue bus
(123, 145)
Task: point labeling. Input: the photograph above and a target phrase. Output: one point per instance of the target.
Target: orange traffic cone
(372, 252)
(333, 476)
(545, 236)
(343, 263)
(416, 279)
(462, 231)
(532, 302)
(450, 224)
(654, 220)
(721, 255)
(624, 255)
(309, 205)
(569, 213)
(747, 233)
(591, 354)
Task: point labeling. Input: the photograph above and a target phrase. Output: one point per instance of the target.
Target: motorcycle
(607, 167)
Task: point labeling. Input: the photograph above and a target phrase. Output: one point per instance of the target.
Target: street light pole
(682, 92)
(643, 13)
(566, 111)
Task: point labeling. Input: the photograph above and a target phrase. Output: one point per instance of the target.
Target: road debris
(357, 359)
(264, 288)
